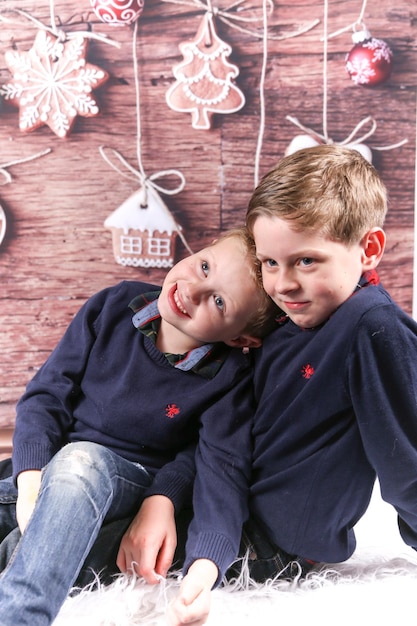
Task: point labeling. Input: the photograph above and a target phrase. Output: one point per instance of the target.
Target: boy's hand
(28, 485)
(192, 605)
(148, 545)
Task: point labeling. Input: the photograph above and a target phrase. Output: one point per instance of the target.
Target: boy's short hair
(262, 321)
(328, 188)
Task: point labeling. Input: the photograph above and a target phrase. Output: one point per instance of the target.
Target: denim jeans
(265, 560)
(83, 487)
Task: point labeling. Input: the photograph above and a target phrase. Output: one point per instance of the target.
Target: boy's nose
(285, 281)
(194, 292)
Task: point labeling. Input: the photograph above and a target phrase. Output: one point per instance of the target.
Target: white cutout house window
(160, 247)
(131, 245)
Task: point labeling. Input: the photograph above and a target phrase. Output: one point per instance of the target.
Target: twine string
(3, 166)
(262, 95)
(139, 174)
(59, 33)
(359, 22)
(325, 78)
(351, 139)
(232, 19)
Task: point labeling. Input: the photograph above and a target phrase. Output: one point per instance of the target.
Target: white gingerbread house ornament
(143, 230)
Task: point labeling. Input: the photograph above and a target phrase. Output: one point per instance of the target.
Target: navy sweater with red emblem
(106, 382)
(337, 406)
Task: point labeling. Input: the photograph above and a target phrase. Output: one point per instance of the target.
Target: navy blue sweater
(337, 406)
(107, 382)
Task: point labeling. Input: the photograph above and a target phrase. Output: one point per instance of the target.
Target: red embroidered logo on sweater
(172, 410)
(307, 371)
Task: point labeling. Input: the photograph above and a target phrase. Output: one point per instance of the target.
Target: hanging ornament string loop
(146, 181)
(3, 166)
(359, 22)
(232, 19)
(262, 114)
(143, 179)
(8, 179)
(351, 140)
(59, 32)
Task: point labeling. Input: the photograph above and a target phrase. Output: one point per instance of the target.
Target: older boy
(335, 384)
(112, 416)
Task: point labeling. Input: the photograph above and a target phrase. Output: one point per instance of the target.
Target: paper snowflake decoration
(52, 83)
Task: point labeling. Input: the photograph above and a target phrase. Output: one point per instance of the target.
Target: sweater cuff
(30, 456)
(211, 546)
(173, 486)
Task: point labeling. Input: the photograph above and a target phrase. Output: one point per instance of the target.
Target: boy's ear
(245, 341)
(373, 243)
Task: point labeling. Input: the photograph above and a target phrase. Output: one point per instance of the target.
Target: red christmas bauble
(118, 11)
(369, 61)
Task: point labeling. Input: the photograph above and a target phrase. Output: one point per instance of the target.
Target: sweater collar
(368, 278)
(205, 360)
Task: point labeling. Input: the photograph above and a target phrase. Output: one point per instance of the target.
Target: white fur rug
(376, 586)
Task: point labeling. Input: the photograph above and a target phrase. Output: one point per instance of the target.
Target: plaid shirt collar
(205, 360)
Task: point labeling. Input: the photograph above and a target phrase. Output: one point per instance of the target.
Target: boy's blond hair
(263, 320)
(330, 189)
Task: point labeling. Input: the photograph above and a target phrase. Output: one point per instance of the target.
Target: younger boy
(112, 417)
(335, 384)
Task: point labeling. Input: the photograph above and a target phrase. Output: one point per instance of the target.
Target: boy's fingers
(189, 591)
(121, 560)
(164, 560)
(194, 613)
(127, 564)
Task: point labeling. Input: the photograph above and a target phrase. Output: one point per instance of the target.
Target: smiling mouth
(177, 304)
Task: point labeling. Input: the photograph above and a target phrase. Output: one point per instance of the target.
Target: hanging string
(262, 95)
(325, 45)
(351, 139)
(2, 224)
(231, 19)
(137, 91)
(145, 181)
(358, 22)
(59, 33)
(8, 179)
(138, 175)
(3, 166)
(414, 309)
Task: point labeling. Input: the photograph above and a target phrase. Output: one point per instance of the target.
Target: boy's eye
(219, 302)
(205, 267)
(306, 261)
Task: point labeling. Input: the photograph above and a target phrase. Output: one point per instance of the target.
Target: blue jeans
(265, 560)
(83, 486)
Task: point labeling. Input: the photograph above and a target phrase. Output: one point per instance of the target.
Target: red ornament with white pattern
(369, 61)
(117, 11)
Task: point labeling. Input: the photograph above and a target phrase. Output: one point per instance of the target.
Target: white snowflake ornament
(52, 83)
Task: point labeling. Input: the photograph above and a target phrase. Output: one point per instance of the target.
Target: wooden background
(57, 252)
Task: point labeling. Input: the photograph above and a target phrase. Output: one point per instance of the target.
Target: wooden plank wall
(57, 252)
